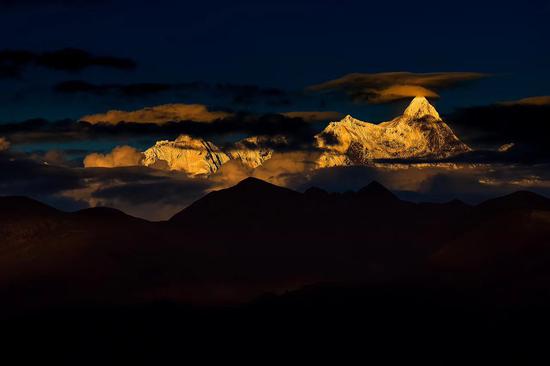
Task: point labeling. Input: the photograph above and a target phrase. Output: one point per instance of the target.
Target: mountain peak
(376, 190)
(520, 200)
(420, 107)
(253, 182)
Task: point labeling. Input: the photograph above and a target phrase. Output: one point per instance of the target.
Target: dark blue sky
(283, 44)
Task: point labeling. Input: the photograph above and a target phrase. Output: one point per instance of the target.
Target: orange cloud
(534, 101)
(159, 115)
(4, 144)
(397, 92)
(284, 166)
(390, 86)
(314, 116)
(230, 174)
(121, 156)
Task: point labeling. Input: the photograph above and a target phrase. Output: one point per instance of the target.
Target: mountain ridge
(233, 244)
(418, 133)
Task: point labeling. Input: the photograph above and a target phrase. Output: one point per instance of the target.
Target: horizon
(409, 154)
(403, 196)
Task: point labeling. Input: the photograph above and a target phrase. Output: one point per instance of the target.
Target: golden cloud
(281, 169)
(4, 144)
(314, 116)
(390, 86)
(159, 115)
(533, 101)
(284, 166)
(397, 92)
(121, 156)
(230, 174)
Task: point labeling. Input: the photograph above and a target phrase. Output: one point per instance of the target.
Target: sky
(282, 44)
(61, 60)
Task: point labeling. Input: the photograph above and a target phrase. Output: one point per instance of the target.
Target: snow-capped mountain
(254, 151)
(187, 154)
(418, 133)
(200, 157)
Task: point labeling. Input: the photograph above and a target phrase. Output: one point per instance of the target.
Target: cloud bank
(159, 115)
(14, 62)
(121, 156)
(314, 116)
(240, 94)
(533, 101)
(4, 144)
(392, 86)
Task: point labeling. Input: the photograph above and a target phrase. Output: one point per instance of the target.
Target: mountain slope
(187, 154)
(418, 133)
(249, 202)
(237, 243)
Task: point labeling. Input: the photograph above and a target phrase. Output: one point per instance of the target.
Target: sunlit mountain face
(180, 180)
(418, 133)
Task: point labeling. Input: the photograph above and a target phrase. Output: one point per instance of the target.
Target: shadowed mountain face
(236, 244)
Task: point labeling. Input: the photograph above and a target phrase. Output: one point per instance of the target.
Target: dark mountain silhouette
(377, 191)
(235, 244)
(249, 201)
(313, 267)
(521, 200)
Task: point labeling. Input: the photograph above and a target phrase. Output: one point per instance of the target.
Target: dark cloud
(470, 183)
(166, 191)
(391, 86)
(41, 130)
(298, 131)
(140, 191)
(527, 126)
(535, 101)
(14, 62)
(158, 194)
(16, 3)
(236, 93)
(129, 90)
(31, 178)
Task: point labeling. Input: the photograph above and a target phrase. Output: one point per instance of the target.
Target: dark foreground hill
(236, 244)
(260, 267)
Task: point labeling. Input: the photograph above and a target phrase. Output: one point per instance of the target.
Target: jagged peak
(348, 118)
(421, 107)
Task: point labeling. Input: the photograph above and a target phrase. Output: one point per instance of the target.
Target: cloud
(15, 4)
(533, 101)
(234, 93)
(40, 130)
(314, 116)
(297, 131)
(283, 168)
(157, 194)
(154, 200)
(129, 90)
(14, 62)
(494, 125)
(121, 156)
(397, 92)
(159, 115)
(4, 144)
(140, 191)
(391, 86)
